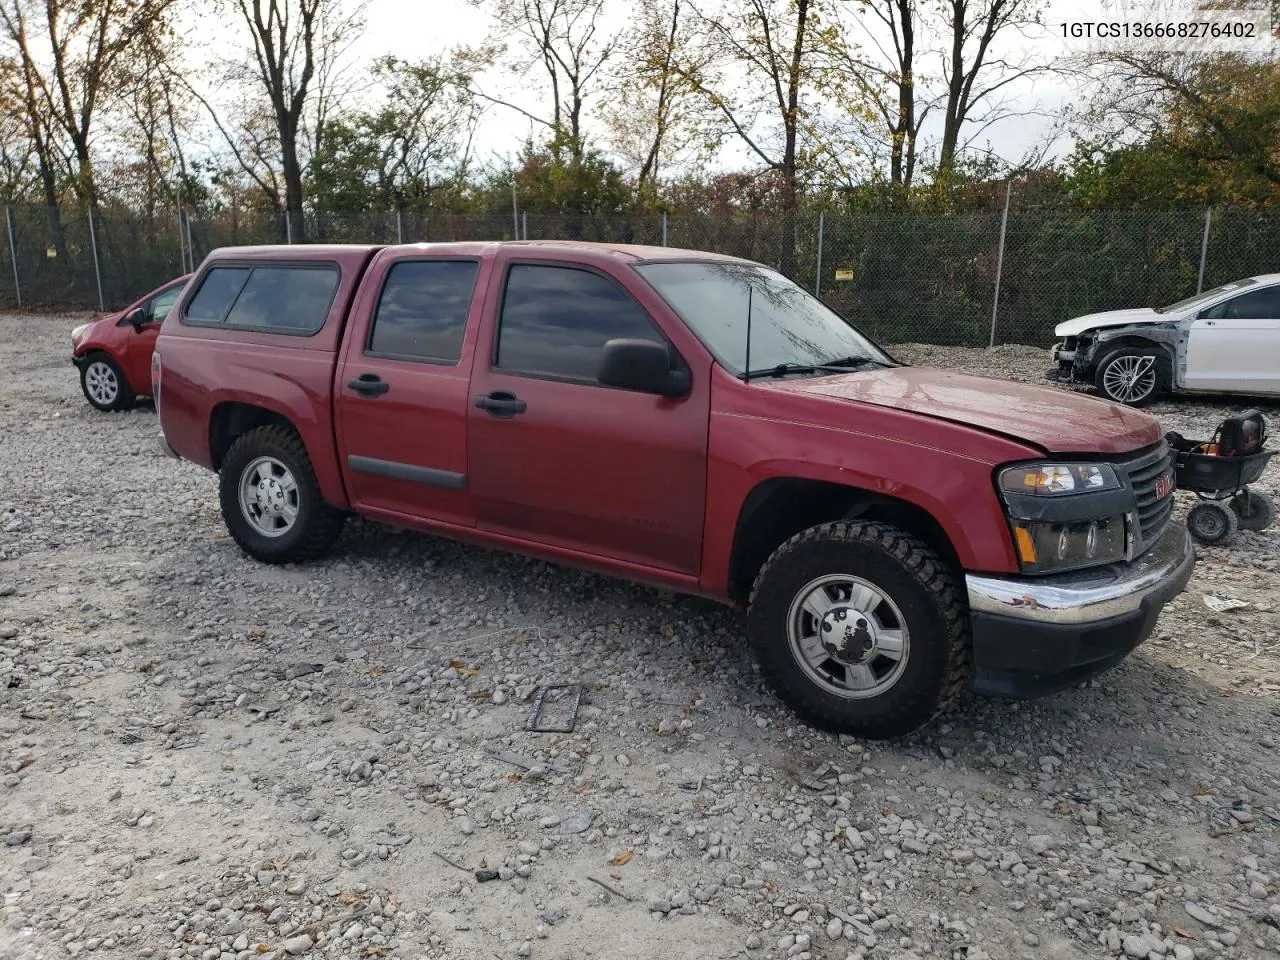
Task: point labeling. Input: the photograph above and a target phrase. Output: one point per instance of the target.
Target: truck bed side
(217, 380)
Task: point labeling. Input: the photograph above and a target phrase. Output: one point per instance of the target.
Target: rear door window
(422, 312)
(274, 298)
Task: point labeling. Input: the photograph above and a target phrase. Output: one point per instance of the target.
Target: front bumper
(1035, 635)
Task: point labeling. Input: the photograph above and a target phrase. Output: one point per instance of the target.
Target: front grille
(1143, 469)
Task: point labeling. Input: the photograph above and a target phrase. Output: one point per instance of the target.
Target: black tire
(1212, 522)
(1253, 510)
(104, 384)
(916, 581)
(316, 525)
(1112, 365)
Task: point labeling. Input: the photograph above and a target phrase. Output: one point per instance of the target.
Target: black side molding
(407, 471)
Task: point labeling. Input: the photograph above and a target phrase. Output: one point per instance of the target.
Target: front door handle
(501, 404)
(369, 385)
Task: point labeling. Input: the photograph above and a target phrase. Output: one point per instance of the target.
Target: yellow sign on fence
(844, 274)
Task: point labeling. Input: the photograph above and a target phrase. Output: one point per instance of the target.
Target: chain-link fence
(952, 279)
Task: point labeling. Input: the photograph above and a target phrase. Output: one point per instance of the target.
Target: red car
(893, 533)
(113, 353)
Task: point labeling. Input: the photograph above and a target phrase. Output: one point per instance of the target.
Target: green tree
(402, 154)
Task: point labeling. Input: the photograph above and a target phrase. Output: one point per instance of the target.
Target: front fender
(955, 489)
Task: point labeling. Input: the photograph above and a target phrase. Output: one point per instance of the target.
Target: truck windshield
(789, 327)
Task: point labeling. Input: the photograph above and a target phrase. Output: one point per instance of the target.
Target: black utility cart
(1219, 472)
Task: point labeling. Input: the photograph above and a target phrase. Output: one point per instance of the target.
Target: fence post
(288, 227)
(524, 215)
(664, 228)
(191, 244)
(97, 272)
(817, 277)
(1004, 222)
(182, 244)
(13, 255)
(515, 216)
(1204, 248)
(399, 225)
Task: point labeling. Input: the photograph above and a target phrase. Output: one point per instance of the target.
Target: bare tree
(70, 50)
(298, 46)
(655, 115)
(759, 69)
(874, 83)
(564, 38)
(16, 146)
(974, 73)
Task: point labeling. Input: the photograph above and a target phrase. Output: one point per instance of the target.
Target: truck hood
(1056, 420)
(1110, 318)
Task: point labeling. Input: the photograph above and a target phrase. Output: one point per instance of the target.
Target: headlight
(1058, 479)
(1064, 516)
(78, 334)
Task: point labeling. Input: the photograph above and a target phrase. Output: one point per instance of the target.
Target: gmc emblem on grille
(1164, 486)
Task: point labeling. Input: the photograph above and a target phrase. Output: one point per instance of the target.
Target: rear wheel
(1253, 510)
(1133, 376)
(860, 628)
(1212, 522)
(270, 499)
(104, 384)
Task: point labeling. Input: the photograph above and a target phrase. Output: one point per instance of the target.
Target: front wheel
(270, 499)
(1131, 375)
(104, 384)
(860, 628)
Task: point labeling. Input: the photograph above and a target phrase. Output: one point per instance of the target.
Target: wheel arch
(779, 507)
(231, 419)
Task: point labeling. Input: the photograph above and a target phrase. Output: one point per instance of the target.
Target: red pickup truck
(692, 421)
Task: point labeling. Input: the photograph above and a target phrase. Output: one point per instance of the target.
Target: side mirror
(137, 319)
(643, 365)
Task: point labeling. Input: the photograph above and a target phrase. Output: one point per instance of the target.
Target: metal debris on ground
(1223, 817)
(612, 889)
(555, 693)
(129, 738)
(521, 761)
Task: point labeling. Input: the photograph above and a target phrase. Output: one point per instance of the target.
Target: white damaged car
(1225, 340)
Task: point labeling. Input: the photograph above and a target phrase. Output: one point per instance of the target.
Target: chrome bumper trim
(1089, 596)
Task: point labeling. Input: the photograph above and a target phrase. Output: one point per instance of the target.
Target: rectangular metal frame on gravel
(535, 714)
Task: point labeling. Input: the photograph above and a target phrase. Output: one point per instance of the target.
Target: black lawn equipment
(1219, 472)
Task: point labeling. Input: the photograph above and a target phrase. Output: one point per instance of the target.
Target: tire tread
(325, 523)
(923, 563)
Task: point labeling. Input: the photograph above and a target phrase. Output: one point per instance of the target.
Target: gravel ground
(205, 757)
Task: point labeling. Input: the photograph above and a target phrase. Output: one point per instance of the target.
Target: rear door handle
(369, 385)
(501, 404)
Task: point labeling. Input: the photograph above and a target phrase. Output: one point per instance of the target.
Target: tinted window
(1261, 304)
(217, 292)
(555, 320)
(422, 312)
(161, 305)
(287, 299)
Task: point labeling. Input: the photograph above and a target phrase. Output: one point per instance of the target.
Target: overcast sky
(413, 28)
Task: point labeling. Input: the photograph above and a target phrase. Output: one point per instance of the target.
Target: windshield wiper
(850, 362)
(843, 365)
